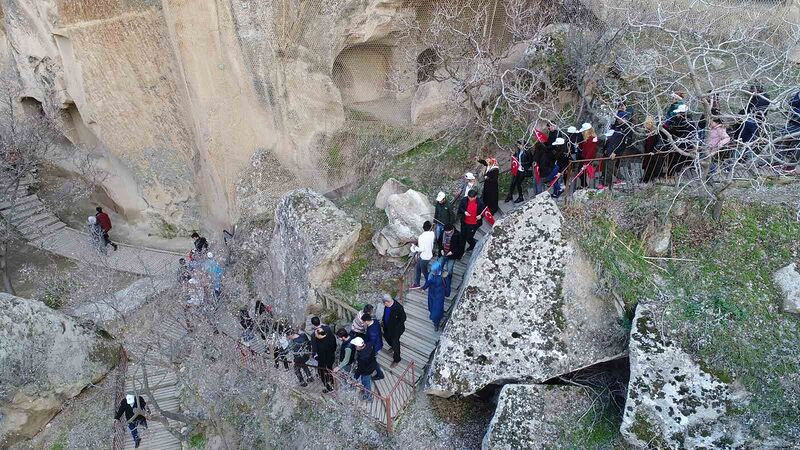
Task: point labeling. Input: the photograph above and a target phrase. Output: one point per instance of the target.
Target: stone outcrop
(407, 212)
(518, 318)
(45, 358)
(530, 416)
(312, 242)
(389, 188)
(788, 281)
(672, 402)
(658, 238)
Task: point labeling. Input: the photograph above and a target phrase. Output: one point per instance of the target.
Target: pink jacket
(718, 137)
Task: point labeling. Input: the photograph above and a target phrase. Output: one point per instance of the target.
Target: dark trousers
(468, 231)
(134, 427)
(516, 183)
(280, 356)
(297, 371)
(324, 369)
(107, 240)
(393, 339)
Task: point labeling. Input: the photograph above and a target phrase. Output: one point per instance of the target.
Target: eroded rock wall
(179, 101)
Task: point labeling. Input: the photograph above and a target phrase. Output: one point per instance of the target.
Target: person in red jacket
(105, 224)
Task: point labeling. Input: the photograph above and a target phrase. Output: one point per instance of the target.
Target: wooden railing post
(388, 404)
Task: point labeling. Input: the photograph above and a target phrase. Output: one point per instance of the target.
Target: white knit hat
(586, 126)
(469, 176)
(92, 220)
(558, 141)
(357, 341)
(210, 255)
(609, 133)
(440, 196)
(572, 130)
(681, 109)
(130, 399)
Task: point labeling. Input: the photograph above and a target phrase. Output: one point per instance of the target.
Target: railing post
(413, 377)
(388, 404)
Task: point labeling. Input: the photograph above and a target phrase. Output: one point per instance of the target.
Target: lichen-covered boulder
(406, 212)
(112, 307)
(528, 311)
(658, 237)
(672, 402)
(312, 243)
(46, 358)
(533, 416)
(389, 188)
(788, 280)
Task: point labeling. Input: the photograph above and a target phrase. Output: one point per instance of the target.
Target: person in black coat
(491, 194)
(471, 210)
(394, 325)
(521, 163)
(367, 367)
(300, 348)
(132, 408)
(326, 355)
(451, 249)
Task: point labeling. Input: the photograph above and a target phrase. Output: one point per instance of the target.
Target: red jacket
(104, 221)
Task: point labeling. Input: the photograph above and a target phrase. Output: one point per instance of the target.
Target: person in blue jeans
(133, 408)
(451, 249)
(367, 367)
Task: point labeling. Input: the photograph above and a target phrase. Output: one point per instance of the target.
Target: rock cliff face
(45, 359)
(311, 244)
(528, 312)
(181, 100)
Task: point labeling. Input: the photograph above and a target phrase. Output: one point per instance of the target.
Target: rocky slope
(45, 358)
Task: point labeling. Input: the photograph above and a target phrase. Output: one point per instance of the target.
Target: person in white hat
(550, 163)
(614, 146)
(469, 183)
(367, 367)
(214, 270)
(134, 409)
(442, 214)
(96, 235)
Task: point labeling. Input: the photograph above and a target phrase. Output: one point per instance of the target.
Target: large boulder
(406, 212)
(535, 416)
(46, 358)
(672, 402)
(389, 188)
(518, 318)
(312, 243)
(788, 280)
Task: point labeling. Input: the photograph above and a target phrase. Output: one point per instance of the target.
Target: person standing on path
(367, 367)
(470, 210)
(96, 235)
(442, 216)
(469, 183)
(491, 194)
(326, 355)
(358, 328)
(134, 409)
(424, 247)
(394, 325)
(347, 352)
(300, 349)
(373, 332)
(519, 161)
(451, 249)
(437, 287)
(105, 224)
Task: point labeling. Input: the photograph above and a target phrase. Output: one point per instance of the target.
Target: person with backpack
(105, 224)
(300, 348)
(367, 367)
(134, 408)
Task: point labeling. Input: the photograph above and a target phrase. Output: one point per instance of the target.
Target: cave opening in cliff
(427, 63)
